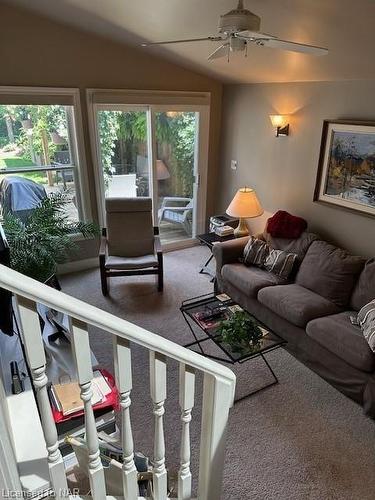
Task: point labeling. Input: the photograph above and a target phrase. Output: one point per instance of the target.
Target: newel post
(217, 401)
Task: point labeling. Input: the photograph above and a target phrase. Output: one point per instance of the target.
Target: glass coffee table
(192, 310)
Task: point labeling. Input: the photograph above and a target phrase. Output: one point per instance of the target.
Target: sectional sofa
(313, 310)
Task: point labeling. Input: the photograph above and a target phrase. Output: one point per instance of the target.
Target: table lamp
(162, 172)
(244, 205)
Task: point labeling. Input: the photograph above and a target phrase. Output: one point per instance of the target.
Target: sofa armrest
(228, 251)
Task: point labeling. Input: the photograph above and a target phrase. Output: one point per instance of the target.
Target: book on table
(67, 397)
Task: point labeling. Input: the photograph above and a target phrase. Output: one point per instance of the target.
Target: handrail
(27, 287)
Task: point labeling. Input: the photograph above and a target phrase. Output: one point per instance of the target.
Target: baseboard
(77, 265)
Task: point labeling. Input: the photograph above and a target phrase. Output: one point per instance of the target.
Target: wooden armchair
(130, 245)
(177, 210)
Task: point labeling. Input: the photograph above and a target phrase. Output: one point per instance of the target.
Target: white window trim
(79, 143)
(116, 99)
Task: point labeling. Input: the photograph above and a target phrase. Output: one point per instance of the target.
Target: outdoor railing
(218, 393)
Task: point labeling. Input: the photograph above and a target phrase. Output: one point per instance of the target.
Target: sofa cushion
(364, 291)
(249, 279)
(298, 246)
(337, 334)
(296, 304)
(330, 272)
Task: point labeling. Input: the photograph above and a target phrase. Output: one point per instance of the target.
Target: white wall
(283, 170)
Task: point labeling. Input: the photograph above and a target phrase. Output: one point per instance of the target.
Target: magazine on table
(219, 314)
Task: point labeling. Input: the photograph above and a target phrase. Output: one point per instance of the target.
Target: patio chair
(130, 245)
(177, 210)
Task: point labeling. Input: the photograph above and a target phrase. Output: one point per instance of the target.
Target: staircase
(218, 395)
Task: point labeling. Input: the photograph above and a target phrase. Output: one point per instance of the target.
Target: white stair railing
(218, 393)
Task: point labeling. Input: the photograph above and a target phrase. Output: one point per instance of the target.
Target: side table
(209, 239)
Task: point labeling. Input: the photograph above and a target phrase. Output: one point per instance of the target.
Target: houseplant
(240, 331)
(44, 240)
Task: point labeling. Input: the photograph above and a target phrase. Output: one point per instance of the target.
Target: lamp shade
(279, 120)
(245, 204)
(162, 172)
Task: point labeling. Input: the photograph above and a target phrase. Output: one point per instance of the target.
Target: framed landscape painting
(346, 173)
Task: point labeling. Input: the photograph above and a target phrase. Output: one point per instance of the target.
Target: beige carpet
(300, 439)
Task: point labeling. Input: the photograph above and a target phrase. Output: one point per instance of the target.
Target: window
(39, 152)
(156, 145)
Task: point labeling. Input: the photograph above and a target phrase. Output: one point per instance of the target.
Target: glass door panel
(123, 151)
(175, 171)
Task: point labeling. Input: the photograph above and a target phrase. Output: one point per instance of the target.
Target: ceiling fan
(237, 29)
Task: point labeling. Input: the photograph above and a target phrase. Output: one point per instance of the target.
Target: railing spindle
(123, 371)
(82, 355)
(158, 382)
(33, 342)
(187, 388)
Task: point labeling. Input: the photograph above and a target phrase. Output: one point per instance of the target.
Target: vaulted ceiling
(345, 27)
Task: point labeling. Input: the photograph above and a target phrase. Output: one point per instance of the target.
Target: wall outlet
(233, 164)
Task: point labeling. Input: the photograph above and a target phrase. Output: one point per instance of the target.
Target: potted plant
(44, 240)
(240, 331)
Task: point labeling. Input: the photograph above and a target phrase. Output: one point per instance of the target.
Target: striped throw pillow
(255, 252)
(366, 320)
(280, 263)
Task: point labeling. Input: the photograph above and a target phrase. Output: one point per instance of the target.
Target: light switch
(233, 164)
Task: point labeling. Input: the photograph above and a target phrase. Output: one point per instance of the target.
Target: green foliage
(47, 118)
(240, 331)
(184, 126)
(130, 129)
(108, 124)
(44, 240)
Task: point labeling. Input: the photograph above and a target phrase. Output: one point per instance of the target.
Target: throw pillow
(255, 252)
(285, 225)
(366, 320)
(281, 263)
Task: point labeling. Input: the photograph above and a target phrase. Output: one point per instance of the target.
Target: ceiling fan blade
(210, 38)
(275, 43)
(255, 35)
(219, 52)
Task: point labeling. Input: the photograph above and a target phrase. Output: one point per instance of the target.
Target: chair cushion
(129, 226)
(296, 304)
(124, 263)
(172, 215)
(330, 272)
(337, 334)
(249, 279)
(364, 291)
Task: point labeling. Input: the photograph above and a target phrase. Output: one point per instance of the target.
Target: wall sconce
(281, 125)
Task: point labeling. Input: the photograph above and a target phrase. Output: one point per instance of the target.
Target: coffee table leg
(274, 382)
(193, 332)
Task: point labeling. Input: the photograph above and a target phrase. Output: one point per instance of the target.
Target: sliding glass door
(153, 151)
(176, 165)
(123, 152)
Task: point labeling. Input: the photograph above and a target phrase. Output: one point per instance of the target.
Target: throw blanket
(285, 225)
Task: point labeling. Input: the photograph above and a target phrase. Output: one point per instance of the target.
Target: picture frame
(346, 171)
